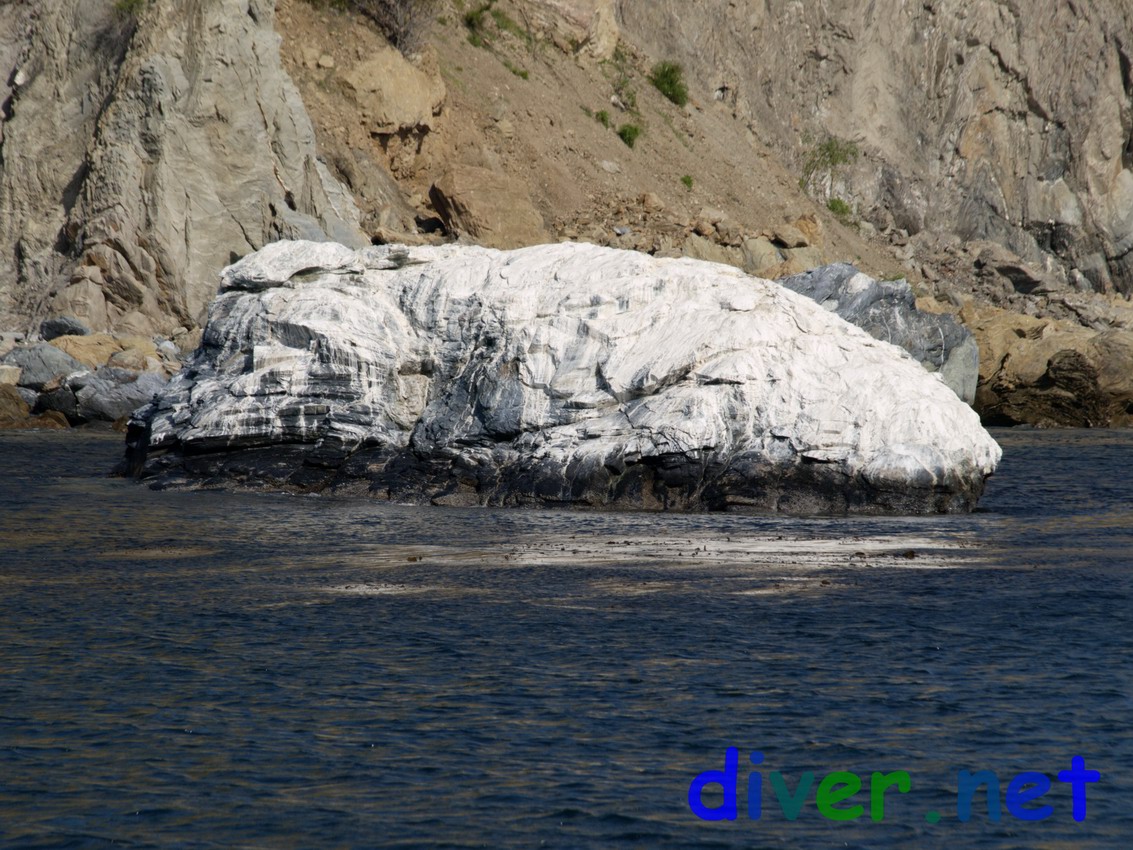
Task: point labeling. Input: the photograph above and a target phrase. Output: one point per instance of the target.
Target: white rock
(556, 374)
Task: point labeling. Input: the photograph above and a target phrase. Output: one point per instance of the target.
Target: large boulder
(94, 350)
(393, 95)
(40, 364)
(13, 409)
(16, 413)
(555, 375)
(49, 329)
(1051, 373)
(887, 310)
(111, 393)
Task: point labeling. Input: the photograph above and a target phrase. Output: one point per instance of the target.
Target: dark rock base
(500, 479)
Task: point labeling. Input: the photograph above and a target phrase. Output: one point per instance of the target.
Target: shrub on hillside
(404, 22)
(668, 77)
(628, 133)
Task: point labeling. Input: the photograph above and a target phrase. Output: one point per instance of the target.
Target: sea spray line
(835, 792)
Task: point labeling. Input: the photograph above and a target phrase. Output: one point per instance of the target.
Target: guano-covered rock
(554, 375)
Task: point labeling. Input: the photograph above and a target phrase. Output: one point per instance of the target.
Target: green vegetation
(508, 25)
(839, 207)
(515, 69)
(474, 18)
(475, 21)
(825, 158)
(603, 118)
(668, 78)
(130, 8)
(617, 70)
(687, 180)
(628, 133)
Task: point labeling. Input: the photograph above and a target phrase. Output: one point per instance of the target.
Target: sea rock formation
(887, 310)
(554, 375)
(140, 151)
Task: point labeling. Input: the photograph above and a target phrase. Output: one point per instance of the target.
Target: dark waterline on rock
(209, 669)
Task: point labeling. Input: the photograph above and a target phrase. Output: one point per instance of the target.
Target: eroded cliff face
(138, 156)
(1005, 121)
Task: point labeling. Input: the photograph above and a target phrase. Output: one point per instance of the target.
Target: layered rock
(887, 310)
(561, 374)
(141, 153)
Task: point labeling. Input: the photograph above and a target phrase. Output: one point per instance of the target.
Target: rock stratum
(564, 374)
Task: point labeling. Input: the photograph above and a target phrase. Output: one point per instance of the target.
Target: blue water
(208, 669)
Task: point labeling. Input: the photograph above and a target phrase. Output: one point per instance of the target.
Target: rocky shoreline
(68, 376)
(559, 375)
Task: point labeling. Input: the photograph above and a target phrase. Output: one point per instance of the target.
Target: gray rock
(62, 326)
(555, 375)
(1014, 125)
(136, 163)
(887, 310)
(39, 364)
(111, 393)
(61, 399)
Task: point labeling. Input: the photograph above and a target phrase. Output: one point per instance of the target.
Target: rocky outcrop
(887, 310)
(1051, 373)
(15, 412)
(140, 154)
(574, 25)
(555, 375)
(1005, 121)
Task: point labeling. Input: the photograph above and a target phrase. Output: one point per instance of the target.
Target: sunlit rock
(554, 375)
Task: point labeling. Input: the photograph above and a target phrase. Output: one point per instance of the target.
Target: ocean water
(225, 670)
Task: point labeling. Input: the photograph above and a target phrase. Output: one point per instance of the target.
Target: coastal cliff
(983, 155)
(555, 375)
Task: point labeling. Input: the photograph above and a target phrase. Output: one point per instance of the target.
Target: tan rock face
(1004, 121)
(13, 409)
(577, 24)
(489, 207)
(1048, 373)
(10, 374)
(395, 96)
(94, 350)
(15, 413)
